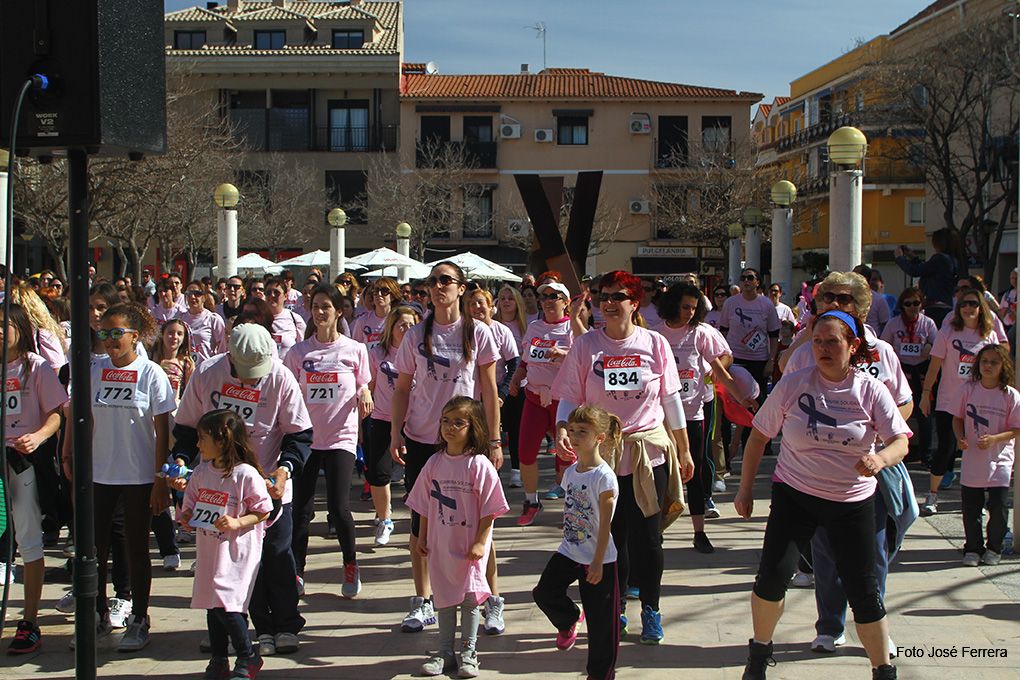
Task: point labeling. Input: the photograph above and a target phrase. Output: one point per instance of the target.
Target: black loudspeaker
(105, 62)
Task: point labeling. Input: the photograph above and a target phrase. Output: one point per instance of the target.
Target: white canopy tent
(416, 271)
(477, 267)
(383, 257)
(255, 263)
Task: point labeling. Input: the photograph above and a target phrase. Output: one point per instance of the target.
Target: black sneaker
(26, 640)
(759, 657)
(247, 667)
(218, 669)
(884, 672)
(702, 544)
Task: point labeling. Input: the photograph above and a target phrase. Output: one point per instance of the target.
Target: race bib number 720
(210, 506)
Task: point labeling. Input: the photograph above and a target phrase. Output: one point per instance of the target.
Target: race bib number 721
(321, 388)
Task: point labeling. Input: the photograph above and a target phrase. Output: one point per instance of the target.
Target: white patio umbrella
(415, 271)
(477, 267)
(253, 262)
(316, 258)
(383, 257)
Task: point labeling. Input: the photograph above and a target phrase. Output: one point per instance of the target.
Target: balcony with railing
(471, 155)
(273, 130)
(814, 133)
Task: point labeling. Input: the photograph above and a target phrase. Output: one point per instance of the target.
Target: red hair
(627, 282)
(554, 275)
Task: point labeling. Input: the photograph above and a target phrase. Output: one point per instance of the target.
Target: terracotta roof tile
(578, 84)
(270, 14)
(409, 67)
(765, 108)
(193, 14)
(779, 101)
(347, 12)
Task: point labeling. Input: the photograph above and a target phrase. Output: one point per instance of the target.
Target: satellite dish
(431, 68)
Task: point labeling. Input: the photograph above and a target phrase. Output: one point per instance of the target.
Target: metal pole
(846, 194)
(226, 242)
(337, 251)
(782, 251)
(734, 263)
(403, 248)
(752, 243)
(4, 208)
(85, 576)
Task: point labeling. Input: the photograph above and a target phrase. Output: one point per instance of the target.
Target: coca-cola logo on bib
(622, 362)
(242, 393)
(320, 378)
(118, 375)
(212, 497)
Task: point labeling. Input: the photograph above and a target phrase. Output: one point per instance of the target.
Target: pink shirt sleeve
(485, 345)
(418, 498)
(50, 349)
(888, 421)
(52, 394)
(570, 383)
(1013, 408)
(670, 381)
(712, 344)
(363, 372)
(219, 335)
(769, 418)
(491, 500)
(771, 315)
(405, 361)
(941, 345)
(293, 415)
(191, 407)
(254, 493)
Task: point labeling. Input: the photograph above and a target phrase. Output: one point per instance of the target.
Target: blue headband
(845, 318)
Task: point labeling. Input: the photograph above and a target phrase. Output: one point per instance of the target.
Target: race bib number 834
(623, 373)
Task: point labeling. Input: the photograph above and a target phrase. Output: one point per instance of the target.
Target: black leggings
(793, 519)
(946, 452)
(639, 538)
(973, 499)
(416, 456)
(510, 421)
(137, 520)
(234, 625)
(378, 460)
(339, 467)
(699, 488)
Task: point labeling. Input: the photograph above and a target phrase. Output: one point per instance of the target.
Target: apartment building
(314, 82)
(558, 122)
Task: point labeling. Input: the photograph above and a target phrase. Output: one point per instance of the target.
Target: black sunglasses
(552, 296)
(748, 277)
(442, 280)
(193, 293)
(419, 293)
(911, 303)
(842, 298)
(618, 296)
(969, 303)
(234, 286)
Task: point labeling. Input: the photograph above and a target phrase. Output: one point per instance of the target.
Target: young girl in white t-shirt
(586, 554)
(226, 503)
(986, 421)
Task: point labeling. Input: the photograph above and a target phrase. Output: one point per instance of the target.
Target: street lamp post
(4, 208)
(403, 247)
(783, 193)
(752, 239)
(847, 149)
(337, 242)
(226, 197)
(735, 231)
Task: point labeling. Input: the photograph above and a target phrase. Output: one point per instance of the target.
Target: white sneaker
(971, 559)
(300, 586)
(515, 479)
(286, 643)
(802, 580)
(136, 636)
(718, 486)
(422, 614)
(172, 562)
(826, 644)
(7, 573)
(991, 558)
(382, 532)
(494, 624)
(120, 610)
(930, 505)
(66, 603)
(68, 549)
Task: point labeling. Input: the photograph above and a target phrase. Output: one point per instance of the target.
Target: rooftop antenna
(431, 68)
(539, 28)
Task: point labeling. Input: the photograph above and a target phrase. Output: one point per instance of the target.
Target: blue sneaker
(623, 625)
(633, 593)
(947, 480)
(651, 626)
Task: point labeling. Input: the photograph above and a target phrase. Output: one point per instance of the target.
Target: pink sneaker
(531, 511)
(565, 639)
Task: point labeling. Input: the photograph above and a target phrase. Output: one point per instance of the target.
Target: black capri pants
(792, 522)
(378, 460)
(945, 453)
(417, 454)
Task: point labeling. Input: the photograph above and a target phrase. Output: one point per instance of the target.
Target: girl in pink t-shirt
(171, 353)
(510, 312)
(208, 335)
(458, 496)
(986, 420)
(226, 502)
(378, 462)
(383, 294)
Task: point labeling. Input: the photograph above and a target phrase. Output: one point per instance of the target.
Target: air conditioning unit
(510, 131)
(640, 207)
(544, 135)
(640, 124)
(517, 227)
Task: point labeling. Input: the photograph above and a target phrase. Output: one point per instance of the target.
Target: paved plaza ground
(933, 603)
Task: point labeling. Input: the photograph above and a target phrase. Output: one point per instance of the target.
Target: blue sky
(740, 44)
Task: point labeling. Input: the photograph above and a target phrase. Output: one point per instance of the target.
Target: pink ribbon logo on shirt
(978, 419)
(391, 373)
(964, 352)
(444, 501)
(744, 318)
(431, 360)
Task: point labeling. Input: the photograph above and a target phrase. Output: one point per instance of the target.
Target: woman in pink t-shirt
(378, 461)
(702, 357)
(545, 343)
(438, 360)
(333, 373)
(207, 330)
(34, 399)
(630, 372)
(952, 359)
(368, 327)
(510, 312)
(288, 327)
(829, 416)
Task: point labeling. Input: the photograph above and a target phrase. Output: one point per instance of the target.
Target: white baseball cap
(558, 287)
(251, 351)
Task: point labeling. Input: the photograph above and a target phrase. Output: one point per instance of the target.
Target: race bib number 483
(210, 506)
(623, 373)
(910, 349)
(321, 388)
(244, 401)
